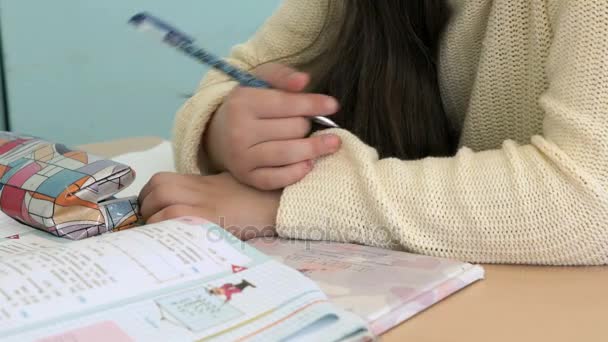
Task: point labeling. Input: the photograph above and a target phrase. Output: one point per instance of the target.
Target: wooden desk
(514, 303)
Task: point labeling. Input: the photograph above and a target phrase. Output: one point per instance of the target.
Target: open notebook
(181, 280)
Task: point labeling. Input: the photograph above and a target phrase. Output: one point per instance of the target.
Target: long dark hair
(382, 67)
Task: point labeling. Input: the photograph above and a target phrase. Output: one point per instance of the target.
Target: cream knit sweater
(526, 80)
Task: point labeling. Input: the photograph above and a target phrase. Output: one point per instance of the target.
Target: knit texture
(525, 80)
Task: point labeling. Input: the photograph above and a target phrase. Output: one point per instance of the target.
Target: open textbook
(181, 280)
(384, 287)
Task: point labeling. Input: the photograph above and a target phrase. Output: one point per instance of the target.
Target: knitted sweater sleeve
(541, 203)
(288, 36)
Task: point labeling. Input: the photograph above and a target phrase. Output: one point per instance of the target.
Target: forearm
(514, 205)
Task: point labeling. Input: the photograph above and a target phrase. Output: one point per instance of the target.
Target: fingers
(167, 195)
(277, 164)
(277, 178)
(282, 129)
(281, 153)
(282, 77)
(272, 103)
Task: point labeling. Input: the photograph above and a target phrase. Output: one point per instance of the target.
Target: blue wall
(77, 73)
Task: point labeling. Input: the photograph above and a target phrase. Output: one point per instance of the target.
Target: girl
(471, 129)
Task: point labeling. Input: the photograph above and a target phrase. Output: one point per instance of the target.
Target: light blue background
(77, 73)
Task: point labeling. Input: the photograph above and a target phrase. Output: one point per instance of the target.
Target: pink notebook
(385, 287)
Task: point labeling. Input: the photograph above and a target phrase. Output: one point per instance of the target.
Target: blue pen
(185, 44)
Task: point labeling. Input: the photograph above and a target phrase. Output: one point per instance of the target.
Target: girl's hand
(260, 135)
(240, 209)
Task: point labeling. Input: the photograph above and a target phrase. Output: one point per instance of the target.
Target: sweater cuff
(190, 124)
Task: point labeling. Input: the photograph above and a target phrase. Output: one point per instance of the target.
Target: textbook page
(16, 238)
(181, 280)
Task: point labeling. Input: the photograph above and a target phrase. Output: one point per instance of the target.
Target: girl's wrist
(207, 151)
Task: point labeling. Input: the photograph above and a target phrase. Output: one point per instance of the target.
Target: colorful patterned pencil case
(61, 191)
